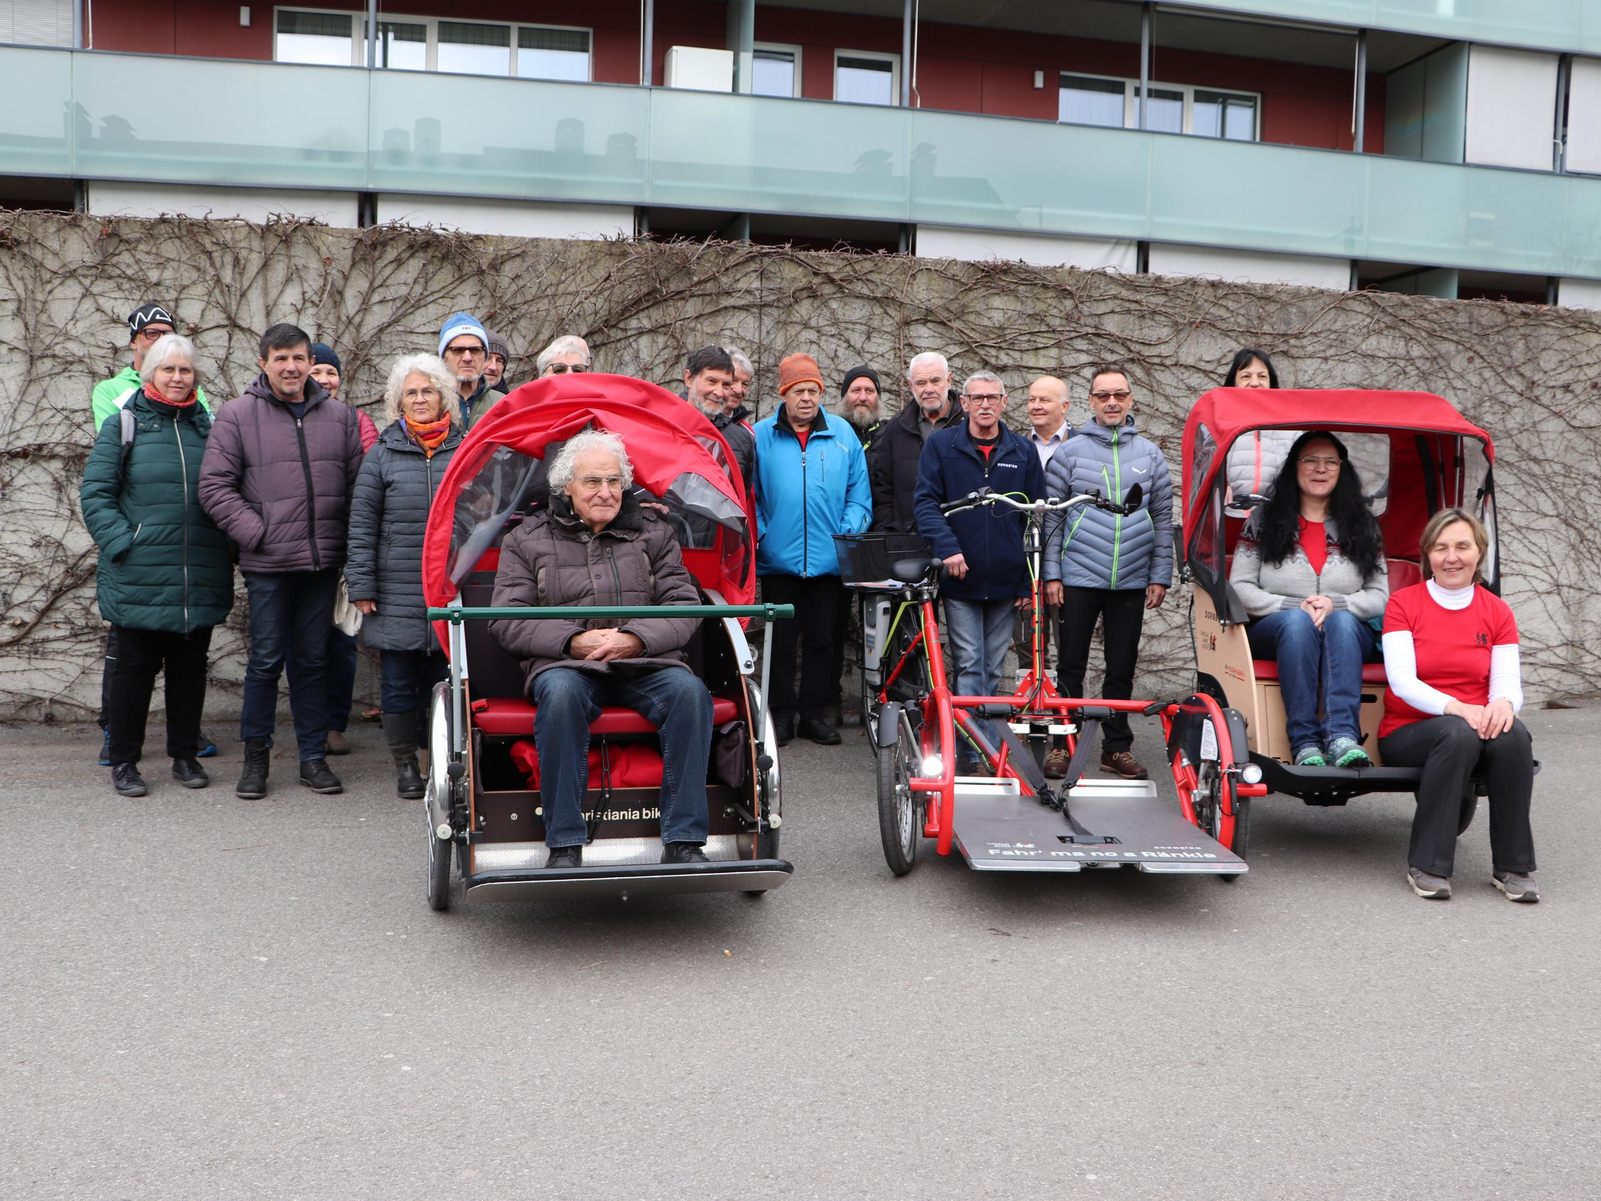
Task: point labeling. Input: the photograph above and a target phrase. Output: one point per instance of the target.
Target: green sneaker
(1310, 756)
(1347, 752)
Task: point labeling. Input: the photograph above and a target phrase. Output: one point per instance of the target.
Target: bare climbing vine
(1529, 375)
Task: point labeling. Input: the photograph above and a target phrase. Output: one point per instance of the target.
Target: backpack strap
(128, 427)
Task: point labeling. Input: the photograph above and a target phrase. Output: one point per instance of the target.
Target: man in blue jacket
(1110, 566)
(811, 483)
(986, 574)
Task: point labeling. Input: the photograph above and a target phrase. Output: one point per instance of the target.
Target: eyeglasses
(594, 483)
(987, 399)
(463, 351)
(563, 368)
(1120, 395)
(150, 334)
(1315, 462)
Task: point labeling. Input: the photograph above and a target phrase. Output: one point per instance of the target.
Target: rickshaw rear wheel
(897, 803)
(1213, 786)
(440, 852)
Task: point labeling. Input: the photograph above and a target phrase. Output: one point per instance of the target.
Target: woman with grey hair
(165, 575)
(567, 353)
(388, 518)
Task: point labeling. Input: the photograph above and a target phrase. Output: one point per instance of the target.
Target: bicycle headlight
(932, 767)
(1251, 773)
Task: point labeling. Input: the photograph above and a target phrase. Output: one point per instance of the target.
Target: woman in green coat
(165, 576)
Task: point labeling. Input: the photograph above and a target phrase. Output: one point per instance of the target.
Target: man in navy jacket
(986, 574)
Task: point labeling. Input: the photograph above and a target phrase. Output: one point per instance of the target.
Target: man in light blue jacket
(811, 483)
(1108, 566)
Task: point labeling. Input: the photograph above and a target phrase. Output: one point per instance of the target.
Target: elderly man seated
(596, 546)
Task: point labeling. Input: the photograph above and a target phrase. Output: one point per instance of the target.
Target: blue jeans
(671, 698)
(1308, 656)
(408, 678)
(289, 611)
(981, 637)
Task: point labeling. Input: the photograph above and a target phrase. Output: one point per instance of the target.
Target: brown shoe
(1055, 765)
(1123, 764)
(337, 743)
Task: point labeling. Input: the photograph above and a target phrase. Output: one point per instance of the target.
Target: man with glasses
(811, 484)
(893, 468)
(565, 354)
(146, 324)
(986, 573)
(708, 376)
(1106, 566)
(464, 345)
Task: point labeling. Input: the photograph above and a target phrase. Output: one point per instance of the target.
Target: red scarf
(152, 394)
(429, 435)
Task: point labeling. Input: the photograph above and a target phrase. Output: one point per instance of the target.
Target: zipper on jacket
(806, 533)
(311, 495)
(183, 483)
(1115, 491)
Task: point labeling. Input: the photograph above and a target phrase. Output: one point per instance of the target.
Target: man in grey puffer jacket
(279, 466)
(1105, 565)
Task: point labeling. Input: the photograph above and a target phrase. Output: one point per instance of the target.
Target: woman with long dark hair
(1309, 567)
(1255, 459)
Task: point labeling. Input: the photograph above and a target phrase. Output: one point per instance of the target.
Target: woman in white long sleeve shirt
(1451, 655)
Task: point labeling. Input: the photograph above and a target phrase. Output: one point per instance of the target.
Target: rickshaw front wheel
(898, 805)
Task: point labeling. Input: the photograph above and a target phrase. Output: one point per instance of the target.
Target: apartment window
(468, 48)
(434, 44)
(1169, 108)
(863, 78)
(322, 39)
(553, 54)
(775, 71)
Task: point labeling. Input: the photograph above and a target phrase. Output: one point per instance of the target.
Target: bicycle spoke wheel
(900, 810)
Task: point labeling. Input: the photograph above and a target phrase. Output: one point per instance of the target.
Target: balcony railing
(90, 115)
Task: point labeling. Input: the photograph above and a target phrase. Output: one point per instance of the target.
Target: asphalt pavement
(212, 998)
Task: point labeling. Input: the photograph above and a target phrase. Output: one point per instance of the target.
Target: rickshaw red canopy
(678, 456)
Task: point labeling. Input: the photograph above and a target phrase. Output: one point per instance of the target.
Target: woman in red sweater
(1451, 655)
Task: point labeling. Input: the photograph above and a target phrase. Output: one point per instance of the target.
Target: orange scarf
(429, 435)
(151, 392)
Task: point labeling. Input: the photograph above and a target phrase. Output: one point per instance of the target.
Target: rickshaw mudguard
(630, 880)
(999, 830)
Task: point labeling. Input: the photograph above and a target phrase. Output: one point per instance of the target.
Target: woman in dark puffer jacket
(388, 518)
(165, 576)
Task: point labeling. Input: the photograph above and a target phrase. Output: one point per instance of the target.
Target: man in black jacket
(892, 467)
(708, 374)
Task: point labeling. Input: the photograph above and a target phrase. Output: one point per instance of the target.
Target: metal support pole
(372, 33)
(77, 24)
(1145, 61)
(1559, 124)
(647, 44)
(908, 49)
(742, 41)
(1359, 104)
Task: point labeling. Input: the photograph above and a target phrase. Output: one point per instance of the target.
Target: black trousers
(1450, 753)
(812, 631)
(108, 669)
(1121, 612)
(140, 655)
(1023, 638)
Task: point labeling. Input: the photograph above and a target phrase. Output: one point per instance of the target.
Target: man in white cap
(464, 345)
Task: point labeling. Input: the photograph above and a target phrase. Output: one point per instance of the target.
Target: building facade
(1446, 148)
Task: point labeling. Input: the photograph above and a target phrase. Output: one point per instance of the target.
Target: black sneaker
(314, 774)
(819, 731)
(125, 778)
(566, 857)
(683, 852)
(189, 773)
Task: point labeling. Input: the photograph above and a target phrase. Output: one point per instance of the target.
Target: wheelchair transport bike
(1416, 455)
(1010, 816)
(485, 833)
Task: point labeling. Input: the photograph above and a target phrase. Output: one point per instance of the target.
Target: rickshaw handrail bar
(456, 615)
(987, 496)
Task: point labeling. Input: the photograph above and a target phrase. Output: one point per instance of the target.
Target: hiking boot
(1055, 765)
(683, 852)
(783, 728)
(400, 732)
(566, 857)
(314, 774)
(1518, 886)
(253, 780)
(1124, 765)
(1347, 752)
(819, 731)
(189, 773)
(1310, 756)
(1429, 887)
(336, 743)
(125, 778)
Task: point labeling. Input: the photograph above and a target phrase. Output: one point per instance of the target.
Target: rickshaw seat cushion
(633, 765)
(514, 716)
(1268, 669)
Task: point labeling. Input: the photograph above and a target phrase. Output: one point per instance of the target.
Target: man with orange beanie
(811, 483)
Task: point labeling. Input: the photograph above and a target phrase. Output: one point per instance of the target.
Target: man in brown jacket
(595, 546)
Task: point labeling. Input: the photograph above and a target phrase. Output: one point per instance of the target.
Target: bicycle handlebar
(985, 496)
